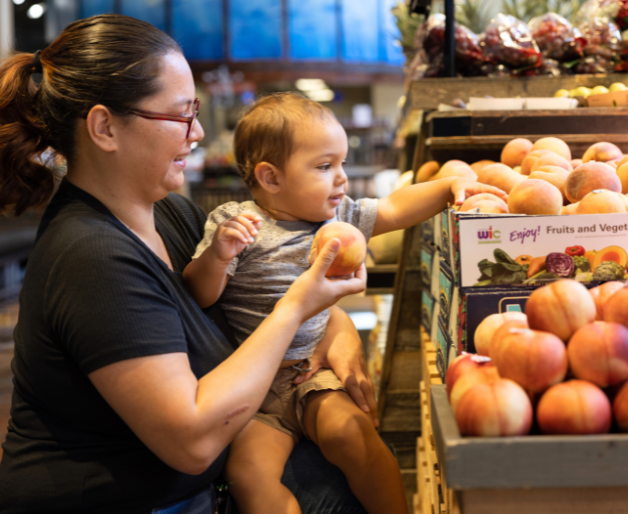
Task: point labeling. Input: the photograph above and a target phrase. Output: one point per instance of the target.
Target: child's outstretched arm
(206, 277)
(413, 204)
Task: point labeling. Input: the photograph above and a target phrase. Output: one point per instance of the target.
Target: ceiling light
(321, 95)
(18, 2)
(310, 84)
(36, 11)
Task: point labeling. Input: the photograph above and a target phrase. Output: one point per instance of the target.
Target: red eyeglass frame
(149, 115)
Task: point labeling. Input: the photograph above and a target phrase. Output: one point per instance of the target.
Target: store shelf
(381, 279)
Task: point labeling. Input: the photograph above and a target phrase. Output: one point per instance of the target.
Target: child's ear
(267, 177)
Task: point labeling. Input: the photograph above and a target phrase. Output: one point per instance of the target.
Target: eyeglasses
(167, 117)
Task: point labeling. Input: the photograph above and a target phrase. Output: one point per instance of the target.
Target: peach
(620, 408)
(555, 175)
(531, 159)
(480, 165)
(489, 207)
(575, 163)
(615, 309)
(570, 209)
(601, 201)
(601, 294)
(455, 171)
(561, 308)
(487, 327)
(500, 408)
(574, 407)
(480, 375)
(622, 161)
(535, 360)
(426, 171)
(588, 177)
(500, 335)
(470, 202)
(622, 173)
(534, 196)
(552, 159)
(461, 365)
(454, 163)
(500, 176)
(598, 352)
(602, 152)
(555, 145)
(352, 248)
(613, 163)
(515, 151)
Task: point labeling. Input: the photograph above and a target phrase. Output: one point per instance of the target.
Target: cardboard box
(446, 240)
(478, 303)
(427, 231)
(614, 99)
(427, 264)
(427, 310)
(443, 346)
(445, 290)
(477, 237)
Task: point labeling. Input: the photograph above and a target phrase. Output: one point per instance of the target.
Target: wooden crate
(428, 93)
(533, 474)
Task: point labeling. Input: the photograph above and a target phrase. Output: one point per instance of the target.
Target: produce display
(563, 363)
(547, 45)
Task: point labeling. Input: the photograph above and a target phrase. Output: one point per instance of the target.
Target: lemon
(617, 86)
(561, 93)
(582, 91)
(599, 90)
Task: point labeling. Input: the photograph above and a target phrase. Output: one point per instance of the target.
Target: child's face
(314, 181)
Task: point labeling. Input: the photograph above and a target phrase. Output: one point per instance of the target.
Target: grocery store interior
(526, 316)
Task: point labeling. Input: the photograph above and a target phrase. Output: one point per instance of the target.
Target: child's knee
(350, 432)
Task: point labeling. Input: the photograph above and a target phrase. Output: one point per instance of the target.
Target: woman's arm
(414, 204)
(188, 422)
(341, 350)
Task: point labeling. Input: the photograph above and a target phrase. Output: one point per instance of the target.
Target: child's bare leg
(257, 458)
(347, 438)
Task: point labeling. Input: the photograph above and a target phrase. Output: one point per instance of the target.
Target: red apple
(487, 327)
(598, 352)
(481, 375)
(464, 363)
(601, 294)
(574, 407)
(500, 408)
(535, 360)
(352, 248)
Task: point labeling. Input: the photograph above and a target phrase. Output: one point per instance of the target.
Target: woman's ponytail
(25, 181)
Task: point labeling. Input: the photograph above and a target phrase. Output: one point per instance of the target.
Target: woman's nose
(197, 132)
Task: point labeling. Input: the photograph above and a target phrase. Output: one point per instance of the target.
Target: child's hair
(265, 133)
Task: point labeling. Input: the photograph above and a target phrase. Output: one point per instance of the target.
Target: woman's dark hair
(110, 59)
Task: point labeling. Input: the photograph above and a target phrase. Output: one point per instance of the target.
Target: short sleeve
(361, 214)
(105, 304)
(215, 218)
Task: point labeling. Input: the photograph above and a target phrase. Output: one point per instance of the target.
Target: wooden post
(450, 40)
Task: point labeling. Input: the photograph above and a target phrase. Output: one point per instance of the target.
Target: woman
(126, 395)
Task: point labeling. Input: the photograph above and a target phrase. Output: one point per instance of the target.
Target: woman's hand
(463, 188)
(312, 292)
(341, 350)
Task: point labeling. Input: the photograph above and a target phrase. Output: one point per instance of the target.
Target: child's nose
(341, 177)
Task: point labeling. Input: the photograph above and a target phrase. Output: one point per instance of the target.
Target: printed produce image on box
(533, 250)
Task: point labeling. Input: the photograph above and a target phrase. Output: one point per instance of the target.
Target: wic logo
(489, 236)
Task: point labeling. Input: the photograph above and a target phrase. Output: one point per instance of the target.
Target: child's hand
(463, 188)
(233, 235)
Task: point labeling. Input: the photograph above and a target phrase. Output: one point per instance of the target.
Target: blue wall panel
(313, 29)
(255, 29)
(390, 50)
(151, 11)
(360, 30)
(197, 25)
(94, 7)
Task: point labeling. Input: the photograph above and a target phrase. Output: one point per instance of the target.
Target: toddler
(290, 151)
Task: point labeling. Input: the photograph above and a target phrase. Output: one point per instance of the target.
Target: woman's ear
(99, 127)
(268, 177)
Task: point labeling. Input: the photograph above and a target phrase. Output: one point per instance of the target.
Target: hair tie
(37, 62)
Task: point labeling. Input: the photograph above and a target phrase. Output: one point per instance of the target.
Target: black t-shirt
(93, 295)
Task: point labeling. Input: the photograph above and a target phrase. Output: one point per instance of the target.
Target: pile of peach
(542, 178)
(565, 361)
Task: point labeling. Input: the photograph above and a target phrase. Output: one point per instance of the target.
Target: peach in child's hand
(352, 248)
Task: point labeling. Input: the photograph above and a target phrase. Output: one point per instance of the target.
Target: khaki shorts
(285, 402)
